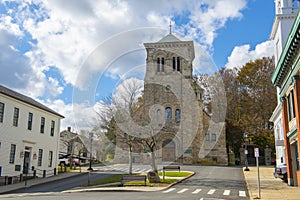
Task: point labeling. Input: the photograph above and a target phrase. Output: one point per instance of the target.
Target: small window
(162, 64)
(12, 154)
(174, 63)
(16, 117)
(1, 112)
(213, 137)
(42, 129)
(178, 63)
(52, 128)
(158, 64)
(177, 115)
(291, 108)
(50, 159)
(158, 115)
(207, 138)
(168, 114)
(40, 157)
(30, 118)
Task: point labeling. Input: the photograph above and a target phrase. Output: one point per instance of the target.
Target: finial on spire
(170, 27)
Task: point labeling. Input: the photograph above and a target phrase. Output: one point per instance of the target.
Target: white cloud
(240, 55)
(78, 116)
(63, 35)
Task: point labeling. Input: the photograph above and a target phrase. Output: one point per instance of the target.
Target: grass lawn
(113, 179)
(118, 177)
(175, 174)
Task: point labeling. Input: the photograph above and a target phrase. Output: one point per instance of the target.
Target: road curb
(248, 186)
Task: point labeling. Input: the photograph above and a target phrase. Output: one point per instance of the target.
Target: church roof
(169, 38)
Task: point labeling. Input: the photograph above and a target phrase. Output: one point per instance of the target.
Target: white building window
(16, 117)
(12, 154)
(40, 157)
(1, 112)
(50, 159)
(42, 128)
(52, 128)
(30, 118)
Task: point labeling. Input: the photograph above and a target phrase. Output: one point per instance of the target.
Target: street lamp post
(246, 152)
(91, 149)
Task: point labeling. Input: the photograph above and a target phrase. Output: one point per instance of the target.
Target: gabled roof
(169, 38)
(15, 95)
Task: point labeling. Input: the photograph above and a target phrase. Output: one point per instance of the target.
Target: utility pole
(91, 150)
(246, 151)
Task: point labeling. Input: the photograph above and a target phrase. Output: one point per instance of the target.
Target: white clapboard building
(29, 135)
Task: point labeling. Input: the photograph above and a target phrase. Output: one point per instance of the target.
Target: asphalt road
(209, 182)
(63, 184)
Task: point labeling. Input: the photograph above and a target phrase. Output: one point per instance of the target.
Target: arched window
(158, 64)
(178, 63)
(168, 114)
(174, 64)
(207, 137)
(177, 115)
(158, 115)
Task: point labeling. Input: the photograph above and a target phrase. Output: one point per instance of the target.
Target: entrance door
(168, 151)
(26, 162)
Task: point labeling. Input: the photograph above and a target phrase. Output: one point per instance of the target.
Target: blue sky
(69, 56)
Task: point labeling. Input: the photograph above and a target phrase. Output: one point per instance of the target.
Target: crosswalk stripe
(242, 193)
(211, 191)
(169, 190)
(226, 192)
(196, 191)
(182, 191)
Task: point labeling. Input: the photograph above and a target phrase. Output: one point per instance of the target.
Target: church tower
(173, 95)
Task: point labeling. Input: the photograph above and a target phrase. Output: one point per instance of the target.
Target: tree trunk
(153, 163)
(130, 161)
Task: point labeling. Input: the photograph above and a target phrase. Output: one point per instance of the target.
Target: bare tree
(119, 109)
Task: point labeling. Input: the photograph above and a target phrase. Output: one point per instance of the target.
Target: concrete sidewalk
(270, 187)
(37, 181)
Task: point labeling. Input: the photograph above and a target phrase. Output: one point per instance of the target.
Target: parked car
(280, 172)
(65, 161)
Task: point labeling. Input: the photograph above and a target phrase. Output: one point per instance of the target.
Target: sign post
(256, 153)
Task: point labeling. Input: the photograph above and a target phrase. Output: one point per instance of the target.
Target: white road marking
(182, 191)
(242, 193)
(196, 191)
(226, 192)
(211, 191)
(169, 190)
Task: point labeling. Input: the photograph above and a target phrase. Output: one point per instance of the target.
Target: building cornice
(288, 55)
(277, 19)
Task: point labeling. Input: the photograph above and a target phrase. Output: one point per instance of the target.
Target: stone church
(172, 111)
